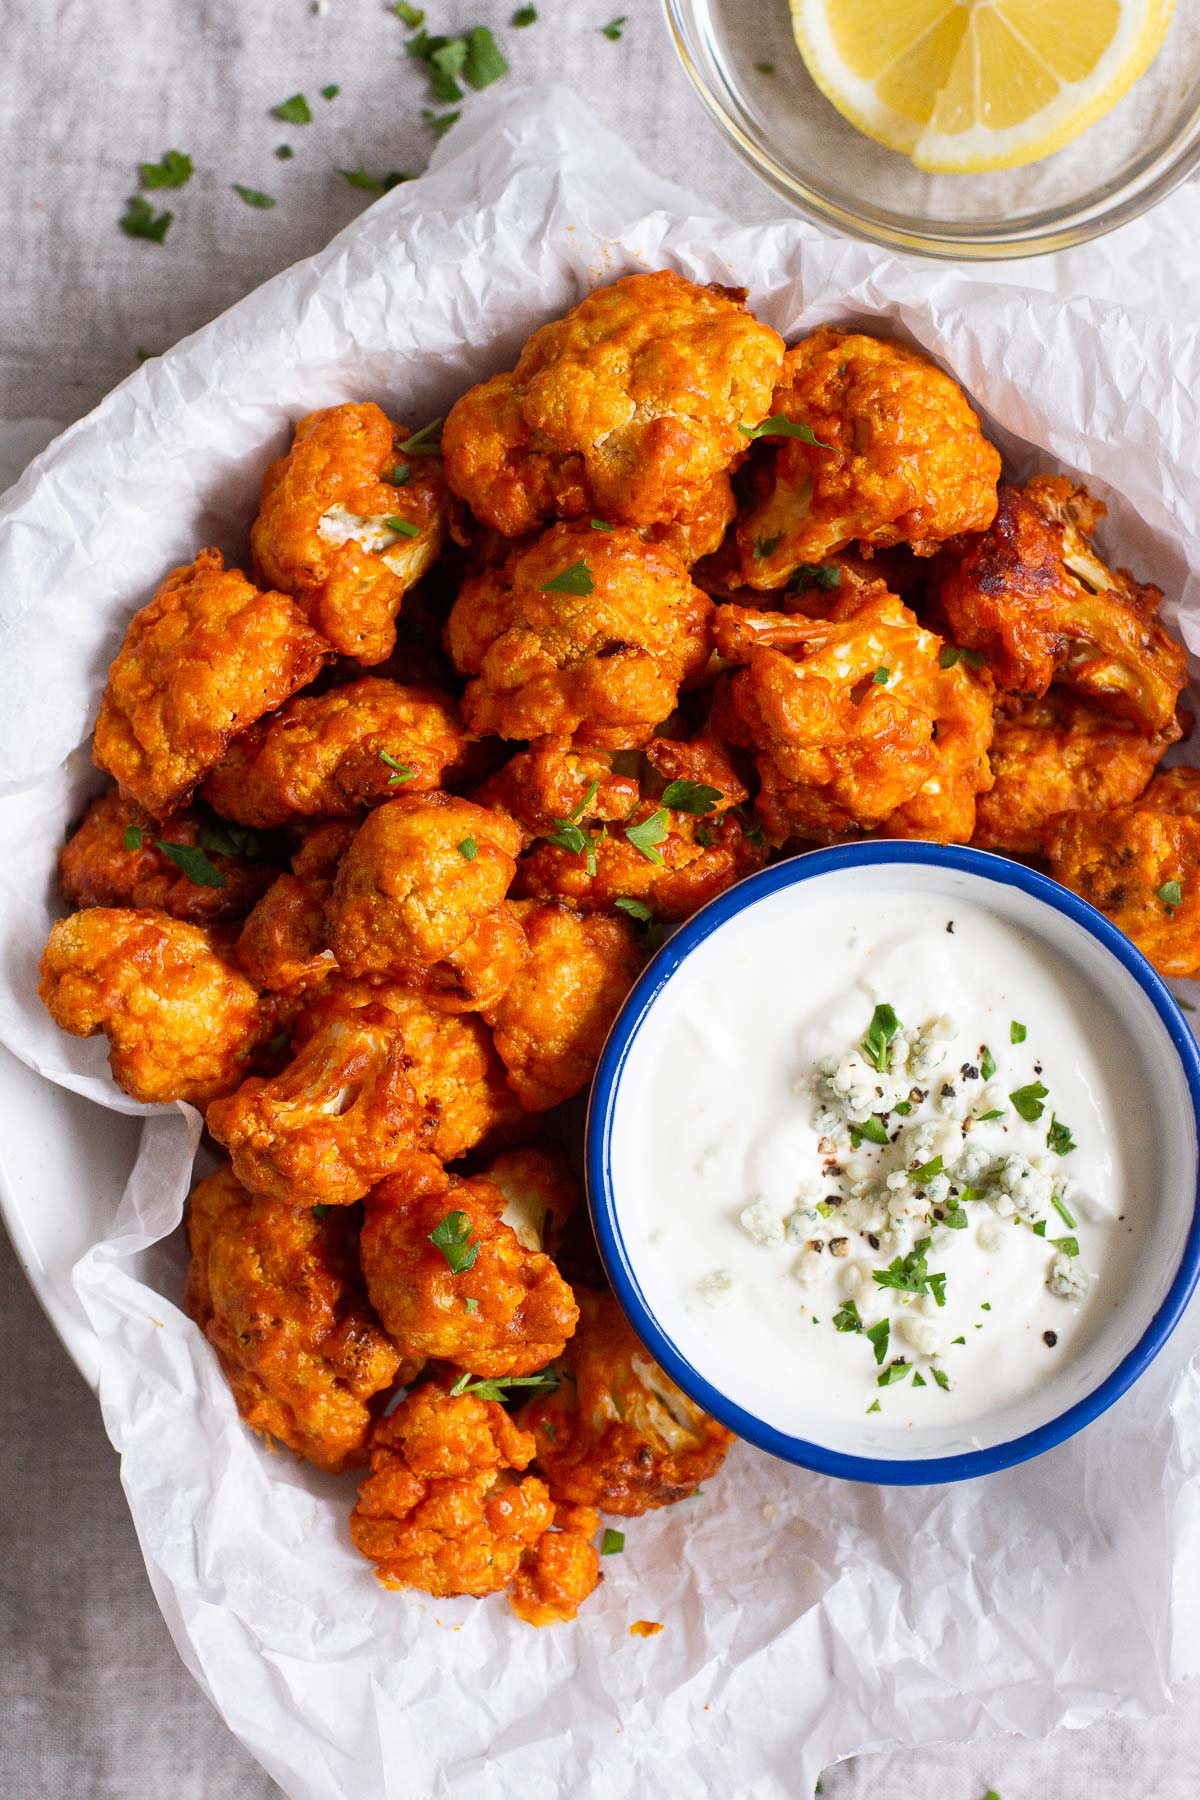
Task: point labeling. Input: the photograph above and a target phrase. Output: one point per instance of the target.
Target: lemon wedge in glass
(963, 86)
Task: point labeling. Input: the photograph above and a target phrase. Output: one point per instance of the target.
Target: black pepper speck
(1049, 1338)
(950, 926)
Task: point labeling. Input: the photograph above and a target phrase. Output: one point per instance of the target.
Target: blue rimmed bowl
(1165, 1266)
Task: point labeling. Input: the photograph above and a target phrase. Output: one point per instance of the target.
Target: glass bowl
(796, 140)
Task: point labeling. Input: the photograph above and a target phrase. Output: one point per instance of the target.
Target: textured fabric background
(93, 1703)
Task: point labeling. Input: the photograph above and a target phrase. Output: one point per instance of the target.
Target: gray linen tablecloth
(93, 1702)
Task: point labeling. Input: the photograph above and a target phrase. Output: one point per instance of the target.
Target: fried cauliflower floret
(282, 946)
(181, 1021)
(332, 754)
(841, 713)
(276, 1291)
(1175, 791)
(442, 1509)
(336, 530)
(899, 458)
(603, 661)
(523, 1310)
(549, 782)
(114, 859)
(617, 1433)
(450, 1059)
(540, 1194)
(205, 658)
(1056, 753)
(627, 408)
(418, 899)
(339, 1117)
(701, 531)
(1141, 867)
(560, 1571)
(551, 1024)
(1034, 597)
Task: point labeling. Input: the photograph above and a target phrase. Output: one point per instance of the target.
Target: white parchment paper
(805, 1618)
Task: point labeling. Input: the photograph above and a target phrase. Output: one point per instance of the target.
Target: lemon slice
(963, 86)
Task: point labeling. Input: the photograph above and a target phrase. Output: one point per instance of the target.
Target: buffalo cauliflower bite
(281, 946)
(348, 524)
(115, 858)
(558, 1573)
(443, 1509)
(617, 1433)
(277, 1293)
(450, 1280)
(943, 810)
(1140, 865)
(334, 753)
(181, 1021)
(841, 713)
(1055, 753)
(540, 1194)
(339, 1117)
(585, 632)
(450, 1059)
(547, 784)
(627, 408)
(898, 457)
(1034, 597)
(205, 658)
(551, 1023)
(418, 899)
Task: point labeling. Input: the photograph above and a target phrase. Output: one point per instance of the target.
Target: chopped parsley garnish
(941, 1377)
(575, 580)
(880, 677)
(880, 1032)
(874, 1407)
(426, 442)
(600, 525)
(1017, 1032)
(919, 1380)
(872, 1129)
(491, 1387)
(400, 475)
(401, 771)
(613, 29)
(952, 653)
(1030, 1100)
(174, 171)
(140, 220)
(294, 111)
(779, 425)
(1068, 1245)
(373, 184)
(1059, 1137)
(878, 1337)
(132, 839)
(188, 857)
(486, 61)
(331, 92)
(1171, 895)
(903, 1106)
(284, 152)
(911, 1275)
(958, 1340)
(412, 16)
(440, 123)
(318, 1212)
(768, 546)
(468, 849)
(470, 1306)
(224, 839)
(1063, 1210)
(403, 527)
(691, 796)
(987, 1064)
(1038, 1228)
(524, 15)
(637, 909)
(997, 1112)
(647, 835)
(253, 196)
(570, 835)
(955, 1218)
(453, 1238)
(446, 58)
(971, 1193)
(822, 576)
(927, 1170)
(847, 1318)
(894, 1372)
(612, 1543)
(985, 1306)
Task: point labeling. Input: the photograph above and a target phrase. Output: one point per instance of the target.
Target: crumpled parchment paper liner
(805, 1618)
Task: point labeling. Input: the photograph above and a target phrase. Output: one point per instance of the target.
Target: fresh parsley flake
(400, 475)
(373, 184)
(470, 1306)
(911, 1274)
(1068, 1245)
(575, 580)
(614, 28)
(486, 61)
(1038, 1228)
(1030, 1100)
(903, 1106)
(140, 220)
(194, 863)
(294, 111)
(174, 171)
(426, 442)
(779, 425)
(491, 1387)
(600, 525)
(647, 835)
(823, 576)
(847, 1318)
(880, 1032)
(768, 546)
(955, 1218)
(894, 1372)
(919, 1380)
(403, 527)
(874, 1407)
(987, 1064)
(1017, 1032)
(878, 1337)
(284, 152)
(401, 771)
(637, 909)
(941, 1377)
(524, 15)
(223, 839)
(446, 58)
(440, 123)
(952, 653)
(691, 796)
(453, 1238)
(412, 16)
(997, 1112)
(331, 92)
(612, 1543)
(132, 839)
(468, 849)
(1171, 895)
(927, 1170)
(872, 1129)
(1059, 1137)
(319, 1212)
(253, 196)
(880, 677)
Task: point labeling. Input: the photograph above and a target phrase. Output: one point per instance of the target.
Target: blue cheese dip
(882, 1153)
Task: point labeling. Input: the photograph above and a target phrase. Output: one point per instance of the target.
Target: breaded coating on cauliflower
(1059, 752)
(540, 1193)
(551, 1023)
(892, 453)
(1140, 865)
(282, 946)
(442, 1509)
(855, 722)
(116, 858)
(545, 786)
(560, 1571)
(617, 1433)
(332, 754)
(450, 1280)
(450, 1059)
(627, 408)
(584, 632)
(201, 661)
(418, 899)
(1034, 597)
(181, 1021)
(276, 1291)
(339, 1117)
(348, 523)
